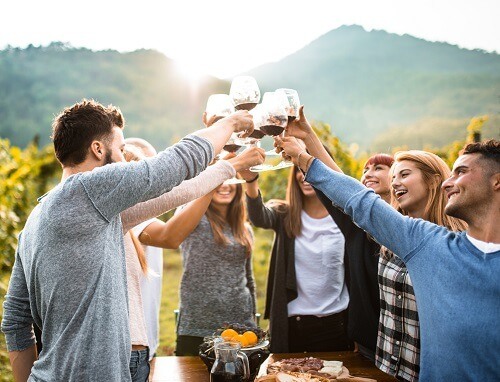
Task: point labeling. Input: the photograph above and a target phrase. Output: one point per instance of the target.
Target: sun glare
(192, 72)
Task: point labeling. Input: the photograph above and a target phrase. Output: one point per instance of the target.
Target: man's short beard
(107, 157)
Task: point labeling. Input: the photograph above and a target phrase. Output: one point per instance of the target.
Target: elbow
(169, 241)
(171, 245)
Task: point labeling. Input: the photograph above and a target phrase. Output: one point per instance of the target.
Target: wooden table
(192, 369)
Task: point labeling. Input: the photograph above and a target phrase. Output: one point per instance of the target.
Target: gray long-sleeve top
(69, 275)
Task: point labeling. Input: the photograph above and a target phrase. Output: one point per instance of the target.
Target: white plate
(260, 345)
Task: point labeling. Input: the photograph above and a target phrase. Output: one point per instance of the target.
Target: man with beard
(69, 275)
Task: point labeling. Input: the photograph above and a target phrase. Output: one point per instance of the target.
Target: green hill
(37, 82)
(377, 89)
(368, 83)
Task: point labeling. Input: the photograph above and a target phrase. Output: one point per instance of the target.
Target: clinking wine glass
(244, 92)
(292, 105)
(274, 122)
(220, 106)
(232, 146)
(256, 134)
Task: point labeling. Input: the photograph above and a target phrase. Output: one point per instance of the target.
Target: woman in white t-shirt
(307, 295)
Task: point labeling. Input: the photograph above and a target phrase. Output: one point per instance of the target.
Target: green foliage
(24, 176)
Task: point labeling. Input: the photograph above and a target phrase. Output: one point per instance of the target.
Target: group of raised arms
(401, 267)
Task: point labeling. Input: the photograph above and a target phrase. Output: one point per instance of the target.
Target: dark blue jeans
(139, 365)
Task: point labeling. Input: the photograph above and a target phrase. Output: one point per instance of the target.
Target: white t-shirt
(151, 290)
(483, 246)
(319, 266)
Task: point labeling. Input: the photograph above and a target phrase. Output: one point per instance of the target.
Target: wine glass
(292, 108)
(244, 92)
(293, 103)
(256, 134)
(220, 106)
(274, 121)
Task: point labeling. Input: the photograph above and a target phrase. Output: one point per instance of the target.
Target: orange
(228, 334)
(251, 337)
(241, 339)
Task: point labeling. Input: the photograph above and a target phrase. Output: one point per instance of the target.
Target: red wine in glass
(232, 147)
(272, 130)
(246, 106)
(257, 134)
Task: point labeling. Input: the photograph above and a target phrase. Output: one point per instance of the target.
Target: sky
(227, 37)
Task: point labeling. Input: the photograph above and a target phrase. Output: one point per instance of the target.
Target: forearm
(386, 225)
(187, 191)
(218, 134)
(258, 214)
(22, 362)
(316, 149)
(114, 188)
(175, 231)
(252, 189)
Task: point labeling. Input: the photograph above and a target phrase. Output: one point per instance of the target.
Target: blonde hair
(236, 219)
(434, 172)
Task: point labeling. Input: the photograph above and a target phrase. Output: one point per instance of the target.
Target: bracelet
(298, 156)
(253, 180)
(309, 162)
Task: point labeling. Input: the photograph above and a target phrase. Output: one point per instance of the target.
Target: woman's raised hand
(251, 156)
(300, 127)
(290, 147)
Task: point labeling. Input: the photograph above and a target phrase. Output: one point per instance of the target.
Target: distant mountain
(378, 89)
(367, 83)
(158, 104)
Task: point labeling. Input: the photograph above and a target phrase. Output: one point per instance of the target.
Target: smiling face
(304, 186)
(224, 195)
(376, 177)
(469, 188)
(409, 188)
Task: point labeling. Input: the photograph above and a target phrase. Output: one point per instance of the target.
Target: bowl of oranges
(253, 342)
(248, 337)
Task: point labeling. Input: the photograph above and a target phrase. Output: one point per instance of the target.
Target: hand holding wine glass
(241, 122)
(300, 127)
(249, 157)
(292, 147)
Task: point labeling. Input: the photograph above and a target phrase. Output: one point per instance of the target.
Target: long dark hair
(236, 219)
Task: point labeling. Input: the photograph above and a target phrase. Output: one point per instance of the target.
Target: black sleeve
(342, 220)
